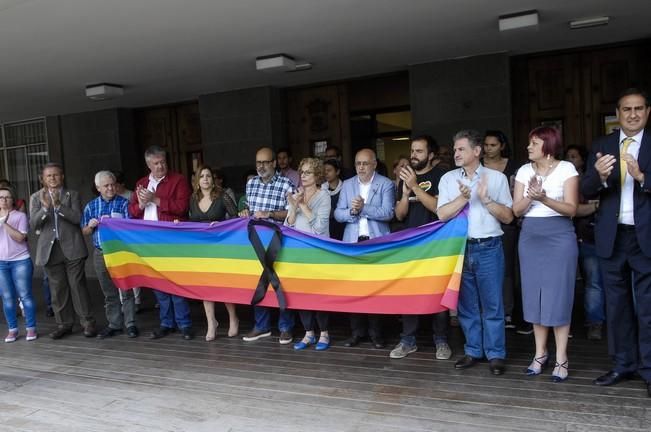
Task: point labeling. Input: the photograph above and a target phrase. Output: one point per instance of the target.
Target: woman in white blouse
(546, 193)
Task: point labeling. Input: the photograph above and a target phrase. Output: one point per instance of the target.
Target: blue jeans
(263, 319)
(481, 308)
(593, 301)
(15, 283)
(173, 309)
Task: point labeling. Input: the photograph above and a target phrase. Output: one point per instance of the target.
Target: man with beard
(416, 206)
(284, 159)
(266, 195)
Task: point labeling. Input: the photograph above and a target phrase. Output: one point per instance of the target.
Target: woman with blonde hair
(309, 211)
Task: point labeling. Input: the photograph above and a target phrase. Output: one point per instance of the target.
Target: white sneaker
(443, 351)
(401, 351)
(254, 335)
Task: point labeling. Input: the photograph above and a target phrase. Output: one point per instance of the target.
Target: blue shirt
(481, 223)
(99, 207)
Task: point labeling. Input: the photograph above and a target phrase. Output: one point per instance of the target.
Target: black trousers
(363, 324)
(627, 285)
(309, 318)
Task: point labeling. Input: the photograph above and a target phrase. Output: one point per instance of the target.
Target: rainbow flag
(416, 271)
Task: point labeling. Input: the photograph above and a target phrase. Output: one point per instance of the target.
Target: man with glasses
(266, 194)
(366, 207)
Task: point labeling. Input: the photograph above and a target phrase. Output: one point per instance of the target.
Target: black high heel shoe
(557, 378)
(543, 360)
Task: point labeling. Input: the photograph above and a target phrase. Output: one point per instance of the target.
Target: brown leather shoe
(90, 331)
(60, 332)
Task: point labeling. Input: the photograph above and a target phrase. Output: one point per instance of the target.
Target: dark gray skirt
(548, 259)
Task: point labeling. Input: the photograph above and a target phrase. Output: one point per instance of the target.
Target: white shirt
(364, 189)
(626, 198)
(552, 184)
(151, 211)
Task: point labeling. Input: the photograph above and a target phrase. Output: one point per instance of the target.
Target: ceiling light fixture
(103, 91)
(518, 20)
(280, 62)
(589, 22)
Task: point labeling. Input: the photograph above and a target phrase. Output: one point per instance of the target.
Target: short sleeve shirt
(10, 249)
(418, 214)
(118, 207)
(270, 196)
(481, 223)
(552, 184)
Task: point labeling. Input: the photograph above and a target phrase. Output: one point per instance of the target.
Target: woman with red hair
(546, 193)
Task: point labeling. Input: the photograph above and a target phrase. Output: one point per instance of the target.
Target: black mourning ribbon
(267, 258)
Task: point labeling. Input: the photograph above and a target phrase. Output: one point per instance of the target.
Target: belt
(480, 240)
(363, 238)
(624, 227)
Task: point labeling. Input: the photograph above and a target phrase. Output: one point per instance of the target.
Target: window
(23, 152)
(387, 131)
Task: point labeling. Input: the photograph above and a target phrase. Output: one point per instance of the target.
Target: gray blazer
(41, 223)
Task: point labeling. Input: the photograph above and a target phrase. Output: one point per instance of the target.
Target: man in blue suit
(366, 207)
(619, 174)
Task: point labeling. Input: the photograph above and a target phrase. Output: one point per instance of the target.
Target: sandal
(558, 367)
(537, 365)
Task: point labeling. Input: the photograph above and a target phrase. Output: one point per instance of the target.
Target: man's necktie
(622, 163)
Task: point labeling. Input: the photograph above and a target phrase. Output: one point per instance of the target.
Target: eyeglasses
(5, 198)
(263, 163)
(306, 173)
(363, 163)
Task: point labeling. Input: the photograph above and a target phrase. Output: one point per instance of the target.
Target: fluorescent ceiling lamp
(104, 91)
(400, 139)
(280, 63)
(518, 20)
(589, 22)
(275, 62)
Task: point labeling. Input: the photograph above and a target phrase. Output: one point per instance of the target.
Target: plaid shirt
(98, 207)
(270, 196)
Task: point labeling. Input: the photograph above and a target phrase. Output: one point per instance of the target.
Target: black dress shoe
(465, 362)
(648, 388)
(133, 332)
(497, 366)
(187, 333)
(49, 312)
(90, 331)
(352, 341)
(108, 332)
(60, 332)
(161, 332)
(377, 343)
(612, 378)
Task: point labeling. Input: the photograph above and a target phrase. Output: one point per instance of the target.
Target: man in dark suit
(55, 213)
(619, 174)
